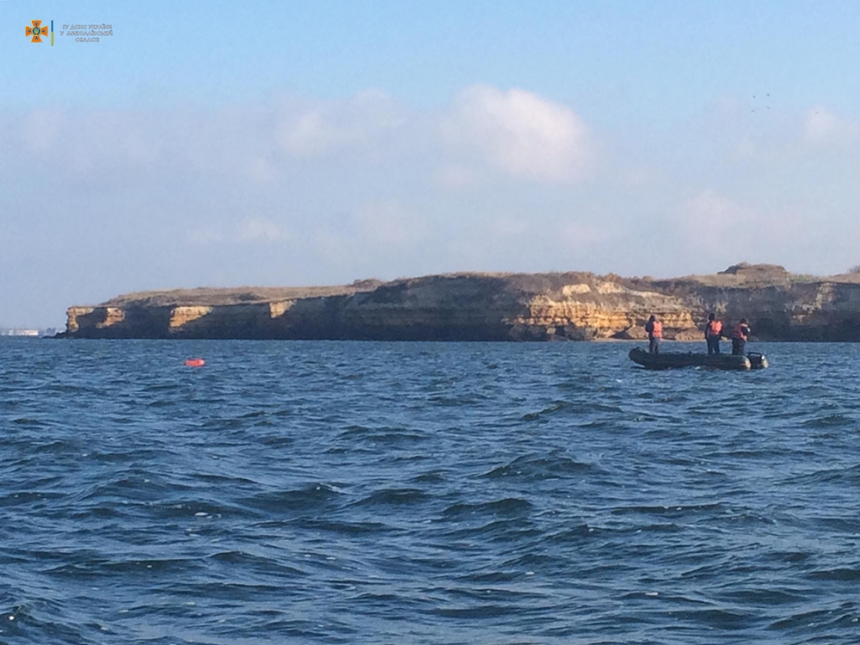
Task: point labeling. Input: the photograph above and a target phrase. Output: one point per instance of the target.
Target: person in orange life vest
(713, 331)
(740, 333)
(655, 332)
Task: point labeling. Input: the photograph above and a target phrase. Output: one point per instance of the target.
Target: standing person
(713, 331)
(740, 333)
(655, 332)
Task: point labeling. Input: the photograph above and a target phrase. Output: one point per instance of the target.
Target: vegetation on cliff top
(737, 275)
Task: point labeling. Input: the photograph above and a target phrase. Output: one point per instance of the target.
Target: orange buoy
(195, 362)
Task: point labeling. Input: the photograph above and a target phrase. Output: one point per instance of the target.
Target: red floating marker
(195, 362)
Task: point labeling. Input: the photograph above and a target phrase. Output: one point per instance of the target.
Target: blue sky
(287, 143)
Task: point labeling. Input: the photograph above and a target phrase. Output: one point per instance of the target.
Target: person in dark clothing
(655, 332)
(713, 332)
(740, 334)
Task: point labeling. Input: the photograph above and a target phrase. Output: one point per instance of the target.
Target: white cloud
(252, 142)
(519, 134)
(323, 127)
(91, 144)
(487, 132)
(308, 134)
(822, 128)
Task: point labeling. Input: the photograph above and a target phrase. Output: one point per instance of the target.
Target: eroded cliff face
(559, 306)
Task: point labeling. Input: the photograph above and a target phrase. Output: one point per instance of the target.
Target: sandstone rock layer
(495, 307)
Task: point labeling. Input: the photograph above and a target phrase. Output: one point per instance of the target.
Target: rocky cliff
(498, 307)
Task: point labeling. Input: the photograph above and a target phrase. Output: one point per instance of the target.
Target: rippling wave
(424, 493)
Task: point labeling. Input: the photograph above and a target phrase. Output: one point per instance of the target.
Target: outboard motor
(757, 360)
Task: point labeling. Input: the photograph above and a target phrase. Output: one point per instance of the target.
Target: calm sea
(338, 492)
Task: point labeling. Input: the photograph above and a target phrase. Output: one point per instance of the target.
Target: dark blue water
(292, 492)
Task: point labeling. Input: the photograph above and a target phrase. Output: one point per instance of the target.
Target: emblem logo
(35, 32)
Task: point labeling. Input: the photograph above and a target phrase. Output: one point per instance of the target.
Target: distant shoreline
(573, 306)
